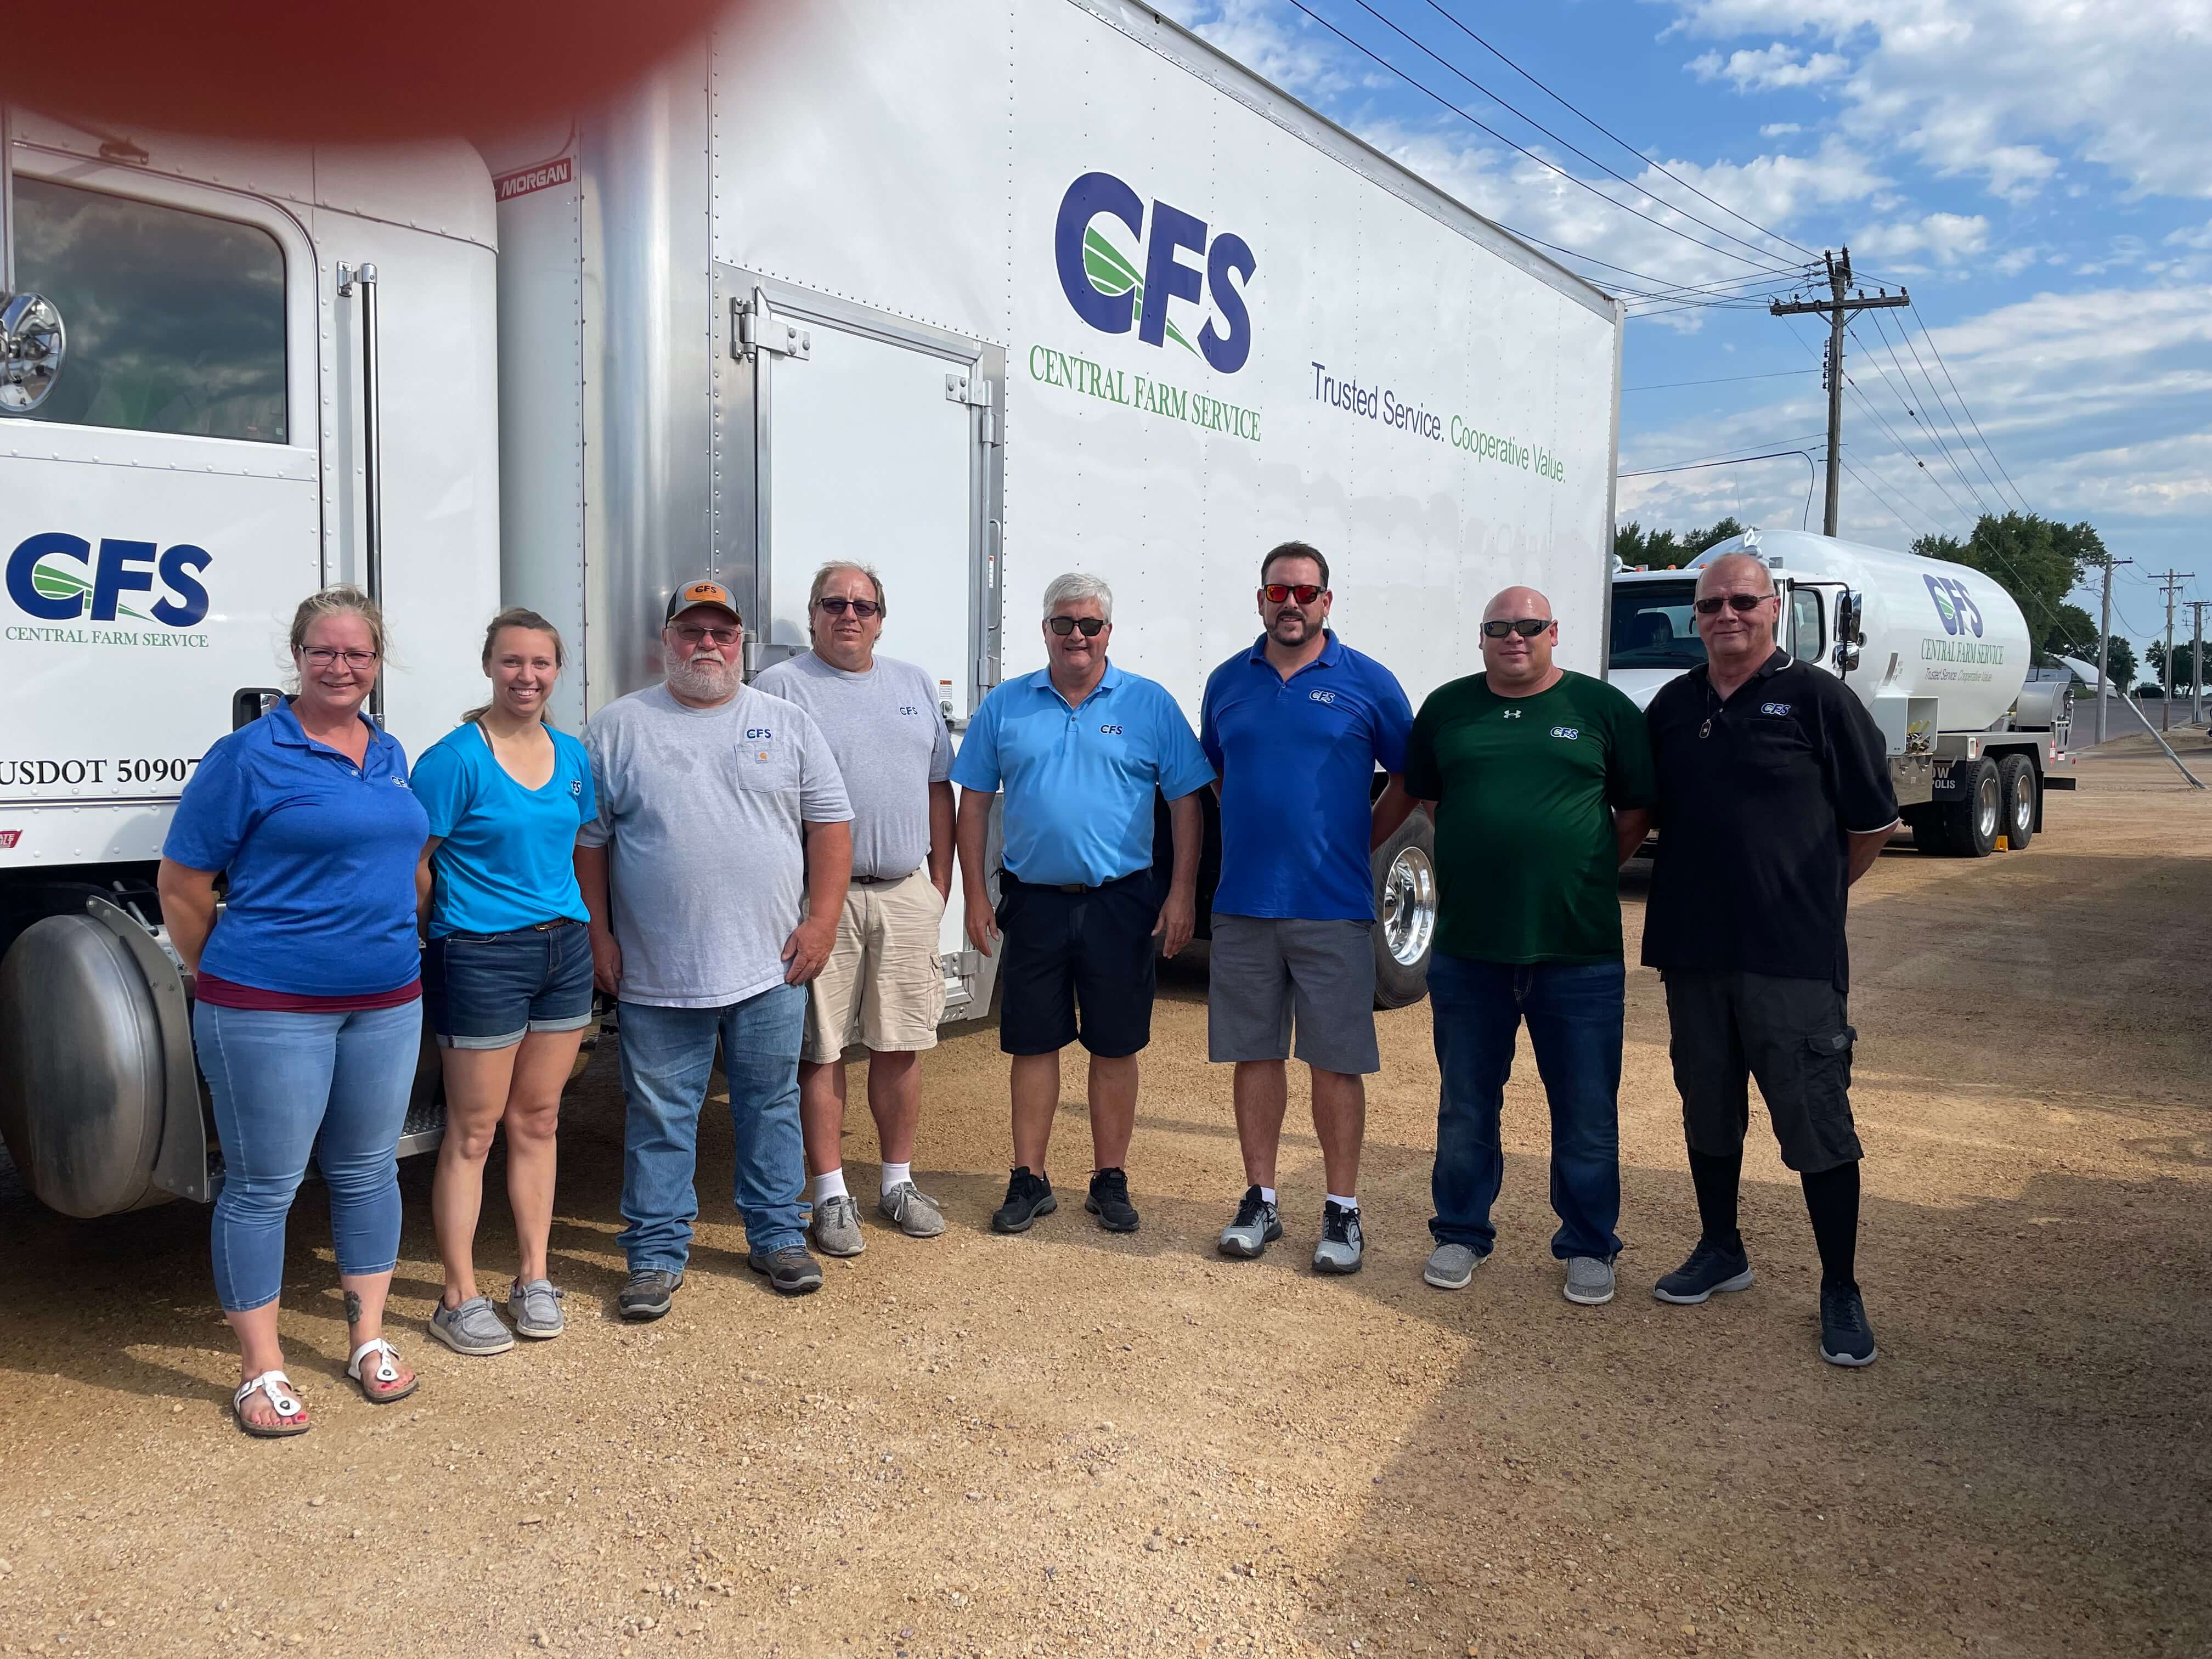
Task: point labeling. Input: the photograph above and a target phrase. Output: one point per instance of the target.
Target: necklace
(1706, 730)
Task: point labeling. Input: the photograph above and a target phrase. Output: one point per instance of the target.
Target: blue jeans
(666, 1055)
(1574, 1015)
(287, 1085)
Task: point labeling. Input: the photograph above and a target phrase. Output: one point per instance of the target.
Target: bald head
(1732, 573)
(1516, 602)
(1518, 633)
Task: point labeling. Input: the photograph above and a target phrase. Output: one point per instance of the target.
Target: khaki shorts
(882, 986)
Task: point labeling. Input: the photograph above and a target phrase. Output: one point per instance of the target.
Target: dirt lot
(1065, 1443)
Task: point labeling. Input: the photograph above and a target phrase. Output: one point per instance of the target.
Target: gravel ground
(1072, 1444)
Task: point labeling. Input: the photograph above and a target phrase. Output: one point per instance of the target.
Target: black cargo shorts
(1791, 1035)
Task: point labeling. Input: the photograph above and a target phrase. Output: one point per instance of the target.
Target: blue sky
(2037, 172)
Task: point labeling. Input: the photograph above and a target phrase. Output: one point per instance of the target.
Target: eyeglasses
(692, 633)
(1711, 604)
(863, 609)
(1092, 626)
(1303, 592)
(322, 656)
(1527, 627)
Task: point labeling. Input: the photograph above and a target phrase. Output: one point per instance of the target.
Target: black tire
(1972, 820)
(2017, 786)
(1405, 912)
(1925, 820)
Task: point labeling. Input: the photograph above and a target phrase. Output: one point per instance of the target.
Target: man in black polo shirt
(1774, 797)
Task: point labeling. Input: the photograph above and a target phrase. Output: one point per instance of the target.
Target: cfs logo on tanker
(1954, 604)
(1111, 292)
(60, 578)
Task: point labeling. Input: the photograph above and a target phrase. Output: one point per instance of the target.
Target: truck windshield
(1654, 627)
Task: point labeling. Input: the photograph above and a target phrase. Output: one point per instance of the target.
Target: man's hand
(606, 962)
(1178, 917)
(982, 921)
(808, 948)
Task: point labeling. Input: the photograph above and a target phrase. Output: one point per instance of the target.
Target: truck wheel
(1925, 820)
(1405, 869)
(1971, 823)
(2017, 776)
(83, 1078)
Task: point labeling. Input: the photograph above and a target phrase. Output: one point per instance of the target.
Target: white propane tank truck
(1937, 652)
(975, 294)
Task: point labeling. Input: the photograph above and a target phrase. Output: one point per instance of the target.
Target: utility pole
(1838, 310)
(2105, 646)
(2172, 581)
(2197, 660)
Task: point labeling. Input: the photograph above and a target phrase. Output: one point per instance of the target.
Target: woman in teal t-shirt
(507, 976)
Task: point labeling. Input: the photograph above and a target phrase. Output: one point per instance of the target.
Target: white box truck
(1938, 652)
(976, 294)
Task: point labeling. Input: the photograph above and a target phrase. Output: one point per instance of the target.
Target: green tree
(1661, 549)
(2185, 663)
(2072, 633)
(2122, 663)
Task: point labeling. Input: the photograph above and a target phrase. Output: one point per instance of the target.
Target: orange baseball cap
(705, 590)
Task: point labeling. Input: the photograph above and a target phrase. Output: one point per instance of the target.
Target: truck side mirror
(32, 344)
(1850, 634)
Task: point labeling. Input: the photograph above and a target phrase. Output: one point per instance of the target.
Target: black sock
(1715, 1179)
(1831, 1199)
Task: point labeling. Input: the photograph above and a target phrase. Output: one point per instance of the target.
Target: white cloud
(1946, 238)
(2199, 239)
(1780, 129)
(1770, 68)
(1995, 88)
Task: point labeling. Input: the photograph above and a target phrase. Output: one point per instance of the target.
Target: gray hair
(1732, 561)
(822, 581)
(1077, 586)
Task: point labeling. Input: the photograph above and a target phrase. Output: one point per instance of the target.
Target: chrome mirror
(32, 344)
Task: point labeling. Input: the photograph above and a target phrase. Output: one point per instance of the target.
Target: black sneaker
(1257, 1226)
(1846, 1339)
(1028, 1197)
(792, 1270)
(1340, 1246)
(647, 1293)
(1109, 1201)
(1710, 1268)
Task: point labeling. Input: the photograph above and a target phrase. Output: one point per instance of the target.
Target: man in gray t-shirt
(883, 985)
(720, 806)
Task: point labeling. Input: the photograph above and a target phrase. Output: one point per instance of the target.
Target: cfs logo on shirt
(1774, 708)
(760, 734)
(1572, 734)
(1108, 291)
(1111, 731)
(1321, 696)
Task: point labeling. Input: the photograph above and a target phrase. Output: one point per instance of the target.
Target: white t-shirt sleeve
(822, 797)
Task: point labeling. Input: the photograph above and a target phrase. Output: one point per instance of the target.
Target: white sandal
(277, 1387)
(385, 1372)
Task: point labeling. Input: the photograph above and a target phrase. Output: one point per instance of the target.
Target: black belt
(881, 881)
(1073, 886)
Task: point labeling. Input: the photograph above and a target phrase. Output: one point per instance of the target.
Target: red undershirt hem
(227, 993)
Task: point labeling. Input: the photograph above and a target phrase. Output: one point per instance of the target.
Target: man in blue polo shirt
(1078, 748)
(1298, 726)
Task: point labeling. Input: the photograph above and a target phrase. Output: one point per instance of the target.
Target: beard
(705, 676)
(1292, 630)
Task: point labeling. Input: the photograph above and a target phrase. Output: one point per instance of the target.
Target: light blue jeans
(287, 1087)
(667, 1056)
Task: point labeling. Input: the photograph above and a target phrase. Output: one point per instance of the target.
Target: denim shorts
(490, 990)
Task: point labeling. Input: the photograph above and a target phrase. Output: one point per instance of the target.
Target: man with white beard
(719, 805)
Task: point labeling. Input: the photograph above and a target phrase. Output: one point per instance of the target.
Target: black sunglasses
(863, 609)
(1711, 604)
(1303, 592)
(1527, 627)
(1092, 626)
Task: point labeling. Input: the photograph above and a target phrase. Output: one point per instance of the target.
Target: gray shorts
(1791, 1033)
(1267, 969)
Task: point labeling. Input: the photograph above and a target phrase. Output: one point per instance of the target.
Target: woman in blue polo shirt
(507, 971)
(308, 1011)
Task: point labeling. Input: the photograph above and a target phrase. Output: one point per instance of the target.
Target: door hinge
(973, 390)
(756, 327)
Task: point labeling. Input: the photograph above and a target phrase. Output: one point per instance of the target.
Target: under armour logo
(1510, 714)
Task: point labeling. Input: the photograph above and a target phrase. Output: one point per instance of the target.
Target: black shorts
(1077, 967)
(1791, 1033)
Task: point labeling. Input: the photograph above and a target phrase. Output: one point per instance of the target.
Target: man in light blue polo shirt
(1299, 726)
(1078, 748)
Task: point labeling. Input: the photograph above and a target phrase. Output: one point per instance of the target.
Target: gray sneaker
(1590, 1280)
(1450, 1266)
(535, 1308)
(912, 1211)
(1341, 1245)
(1257, 1225)
(473, 1328)
(836, 1228)
(647, 1292)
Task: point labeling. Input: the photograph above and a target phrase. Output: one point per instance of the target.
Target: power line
(1957, 431)
(1700, 466)
(1609, 172)
(1946, 367)
(1867, 484)
(1900, 388)
(1725, 379)
(1866, 404)
(1615, 137)
(1430, 92)
(1733, 449)
(1837, 309)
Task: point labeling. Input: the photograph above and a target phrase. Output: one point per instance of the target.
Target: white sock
(897, 1176)
(829, 1185)
(1344, 1203)
(1266, 1195)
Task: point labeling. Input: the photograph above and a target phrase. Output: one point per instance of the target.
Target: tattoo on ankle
(353, 1307)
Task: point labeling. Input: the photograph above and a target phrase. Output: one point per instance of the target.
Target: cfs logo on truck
(1109, 291)
(1954, 604)
(59, 578)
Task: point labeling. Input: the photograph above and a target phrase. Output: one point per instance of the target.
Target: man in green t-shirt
(1539, 780)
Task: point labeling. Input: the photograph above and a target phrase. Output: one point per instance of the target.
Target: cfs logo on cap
(1108, 292)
